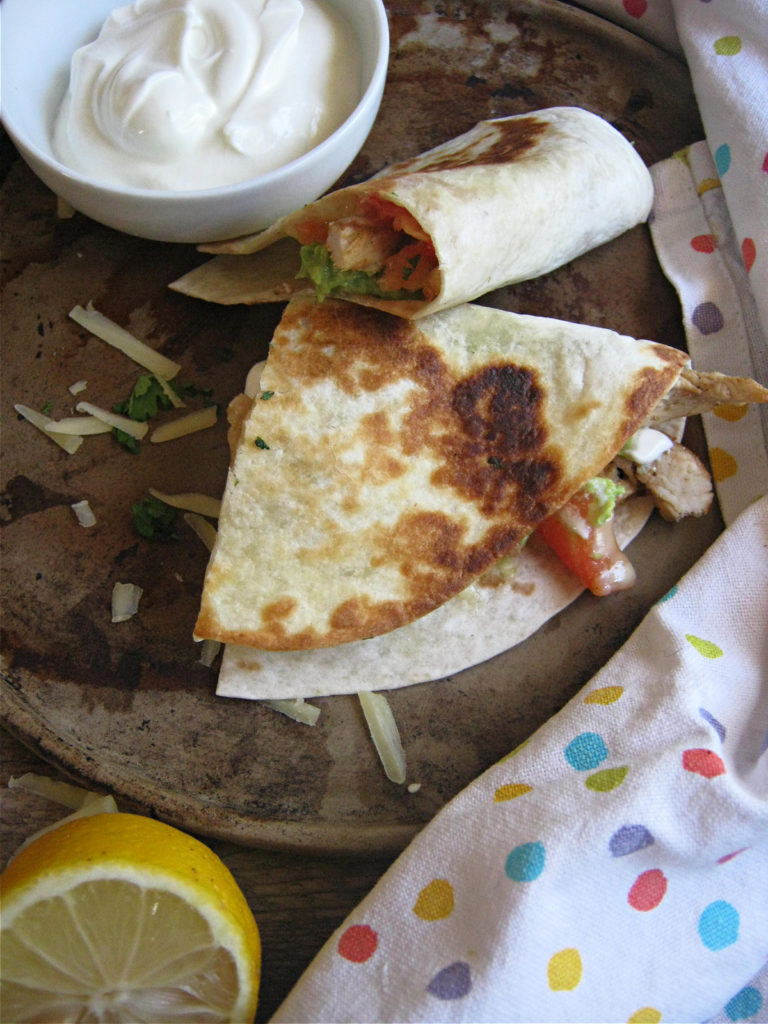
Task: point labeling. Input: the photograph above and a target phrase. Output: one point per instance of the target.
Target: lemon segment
(118, 917)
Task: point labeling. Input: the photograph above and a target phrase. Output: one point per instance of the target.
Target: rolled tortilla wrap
(509, 200)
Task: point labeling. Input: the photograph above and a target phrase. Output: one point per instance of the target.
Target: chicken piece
(696, 392)
(356, 244)
(679, 482)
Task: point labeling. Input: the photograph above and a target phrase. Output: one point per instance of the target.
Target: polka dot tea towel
(614, 867)
(698, 251)
(726, 49)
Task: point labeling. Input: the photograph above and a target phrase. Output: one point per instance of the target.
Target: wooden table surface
(298, 900)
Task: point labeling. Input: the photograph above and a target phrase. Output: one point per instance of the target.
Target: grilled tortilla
(509, 200)
(385, 465)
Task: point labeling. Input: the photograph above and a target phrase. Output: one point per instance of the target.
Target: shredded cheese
(204, 530)
(84, 513)
(69, 442)
(253, 380)
(124, 341)
(125, 601)
(64, 210)
(192, 501)
(296, 708)
(77, 387)
(384, 733)
(82, 802)
(59, 792)
(81, 425)
(208, 651)
(189, 424)
(170, 393)
(113, 419)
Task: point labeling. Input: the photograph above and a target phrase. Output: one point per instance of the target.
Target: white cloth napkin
(615, 867)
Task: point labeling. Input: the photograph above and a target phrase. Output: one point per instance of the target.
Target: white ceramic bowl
(38, 40)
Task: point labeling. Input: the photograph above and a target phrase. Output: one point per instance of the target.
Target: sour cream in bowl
(191, 120)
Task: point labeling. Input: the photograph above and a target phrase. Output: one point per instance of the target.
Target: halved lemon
(118, 917)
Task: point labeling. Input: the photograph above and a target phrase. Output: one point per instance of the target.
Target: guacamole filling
(328, 279)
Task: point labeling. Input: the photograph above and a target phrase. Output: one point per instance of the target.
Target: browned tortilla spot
(279, 609)
(511, 139)
(649, 388)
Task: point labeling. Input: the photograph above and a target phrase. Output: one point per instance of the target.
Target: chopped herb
(261, 443)
(47, 408)
(190, 390)
(266, 394)
(154, 519)
(496, 462)
(126, 440)
(149, 397)
(145, 401)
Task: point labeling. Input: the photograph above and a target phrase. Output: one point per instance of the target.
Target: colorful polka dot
(564, 970)
(730, 856)
(745, 1004)
(707, 318)
(748, 253)
(606, 780)
(648, 890)
(526, 862)
(435, 901)
(630, 839)
(704, 243)
(635, 8)
(765, 163)
(727, 46)
(586, 751)
(717, 726)
(453, 982)
(645, 1015)
(706, 763)
(705, 647)
(723, 159)
(511, 791)
(707, 184)
(669, 594)
(358, 943)
(719, 925)
(723, 464)
(605, 695)
(730, 412)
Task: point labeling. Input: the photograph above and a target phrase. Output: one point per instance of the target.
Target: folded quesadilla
(509, 200)
(385, 464)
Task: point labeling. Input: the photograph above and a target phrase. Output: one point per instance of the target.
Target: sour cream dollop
(196, 94)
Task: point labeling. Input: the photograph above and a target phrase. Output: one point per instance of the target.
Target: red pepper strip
(589, 551)
(408, 268)
(377, 208)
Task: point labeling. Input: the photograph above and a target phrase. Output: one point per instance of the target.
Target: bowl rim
(371, 95)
